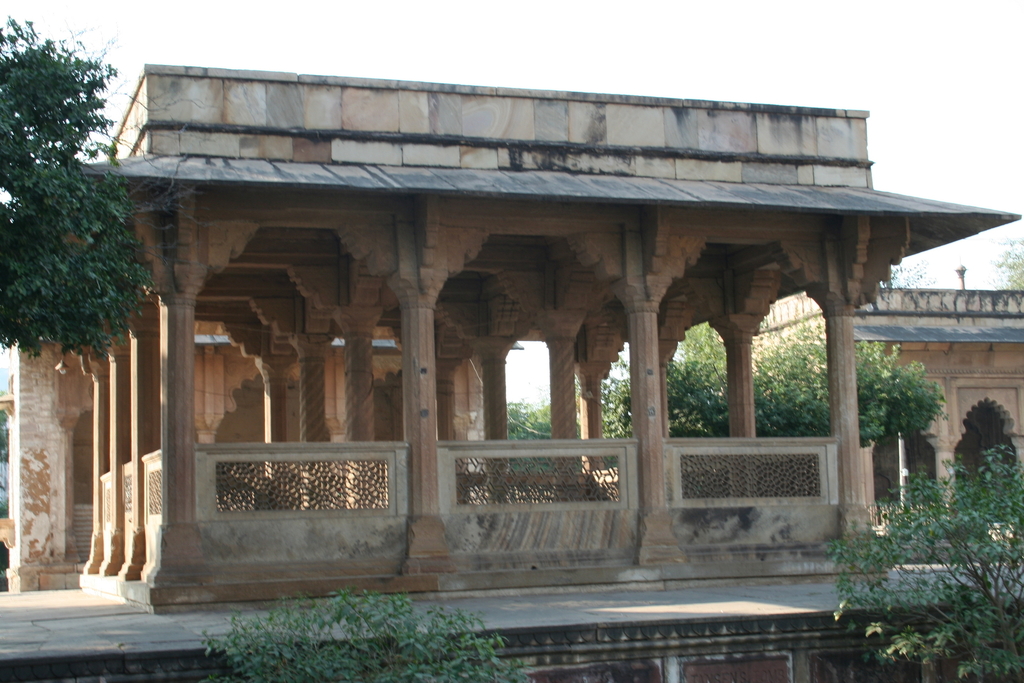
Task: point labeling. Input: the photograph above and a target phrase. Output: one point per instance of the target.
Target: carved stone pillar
(275, 370)
(100, 371)
(446, 398)
(428, 549)
(312, 350)
(738, 332)
(120, 435)
(357, 324)
(591, 417)
(657, 542)
(855, 469)
(179, 550)
(561, 364)
(145, 421)
(493, 351)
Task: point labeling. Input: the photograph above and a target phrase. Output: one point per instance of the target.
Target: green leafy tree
(946, 576)
(369, 638)
(529, 421)
(68, 268)
(790, 389)
(1011, 265)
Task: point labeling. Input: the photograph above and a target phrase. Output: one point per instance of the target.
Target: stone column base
(658, 545)
(428, 549)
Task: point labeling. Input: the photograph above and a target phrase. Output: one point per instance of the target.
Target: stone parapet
(183, 111)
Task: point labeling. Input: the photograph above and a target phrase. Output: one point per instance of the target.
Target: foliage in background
(917, 276)
(790, 388)
(1011, 265)
(946, 578)
(529, 421)
(369, 638)
(68, 268)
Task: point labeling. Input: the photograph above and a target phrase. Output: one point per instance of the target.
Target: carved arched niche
(986, 425)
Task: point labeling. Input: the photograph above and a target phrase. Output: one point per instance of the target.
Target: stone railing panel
(275, 481)
(734, 472)
(537, 475)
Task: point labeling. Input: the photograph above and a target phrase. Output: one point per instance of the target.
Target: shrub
(362, 638)
(945, 575)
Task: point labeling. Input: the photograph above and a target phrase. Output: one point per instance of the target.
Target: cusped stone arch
(986, 425)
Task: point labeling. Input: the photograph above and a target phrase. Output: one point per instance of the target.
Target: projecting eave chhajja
(932, 223)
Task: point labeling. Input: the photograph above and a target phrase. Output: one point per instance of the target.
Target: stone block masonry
(312, 119)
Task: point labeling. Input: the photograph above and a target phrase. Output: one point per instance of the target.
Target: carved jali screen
(523, 481)
(761, 475)
(312, 485)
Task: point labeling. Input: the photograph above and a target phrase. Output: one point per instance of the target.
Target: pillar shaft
(359, 386)
(562, 363)
(120, 436)
(855, 470)
(591, 412)
(275, 370)
(357, 323)
(145, 421)
(657, 542)
(446, 398)
(492, 367)
(740, 375)
(312, 389)
(179, 549)
(100, 456)
(428, 549)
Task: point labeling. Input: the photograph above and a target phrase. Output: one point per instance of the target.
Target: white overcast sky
(942, 80)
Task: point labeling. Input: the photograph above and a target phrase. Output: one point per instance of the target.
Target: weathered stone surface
(304, 149)
(656, 167)
(726, 131)
(843, 138)
(698, 169)
(162, 142)
(445, 112)
(551, 120)
(786, 134)
(846, 176)
(775, 174)
(245, 103)
(429, 155)
(478, 157)
(365, 109)
(196, 100)
(681, 128)
(209, 144)
(509, 118)
(285, 105)
(413, 112)
(635, 126)
(358, 152)
(321, 107)
(588, 123)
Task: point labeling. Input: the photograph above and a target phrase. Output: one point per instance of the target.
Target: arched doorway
(984, 427)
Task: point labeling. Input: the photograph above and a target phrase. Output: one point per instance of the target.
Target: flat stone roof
(905, 333)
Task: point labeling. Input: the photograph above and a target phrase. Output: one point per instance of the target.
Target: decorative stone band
(170, 139)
